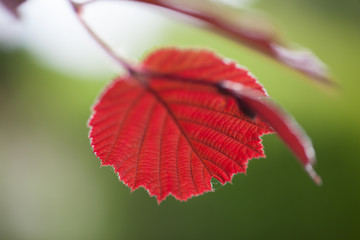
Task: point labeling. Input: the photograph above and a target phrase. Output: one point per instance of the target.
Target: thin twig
(78, 8)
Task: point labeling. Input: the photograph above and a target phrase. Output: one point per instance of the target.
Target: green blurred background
(52, 186)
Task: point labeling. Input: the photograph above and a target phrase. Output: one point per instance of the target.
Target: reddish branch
(301, 60)
(78, 8)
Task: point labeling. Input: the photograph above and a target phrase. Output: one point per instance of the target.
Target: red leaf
(171, 126)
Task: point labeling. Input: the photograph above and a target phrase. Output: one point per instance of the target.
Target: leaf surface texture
(171, 131)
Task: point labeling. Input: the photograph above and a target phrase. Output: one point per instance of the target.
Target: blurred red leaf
(174, 123)
(250, 30)
(12, 6)
(284, 125)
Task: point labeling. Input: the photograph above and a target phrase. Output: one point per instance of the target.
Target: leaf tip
(306, 62)
(313, 175)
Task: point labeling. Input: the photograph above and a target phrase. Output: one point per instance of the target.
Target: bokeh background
(52, 186)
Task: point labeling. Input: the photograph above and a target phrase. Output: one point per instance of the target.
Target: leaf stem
(78, 8)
